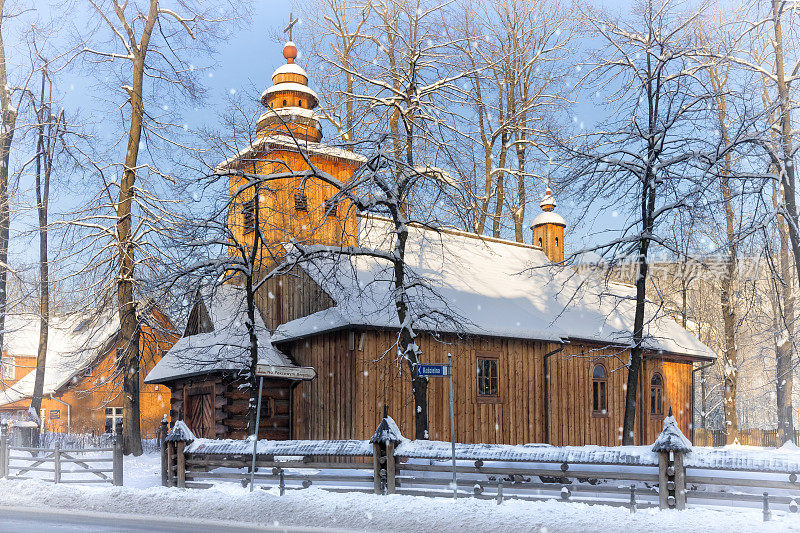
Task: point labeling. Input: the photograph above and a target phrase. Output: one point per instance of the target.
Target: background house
(82, 387)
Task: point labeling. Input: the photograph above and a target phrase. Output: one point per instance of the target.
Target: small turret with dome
(290, 101)
(548, 229)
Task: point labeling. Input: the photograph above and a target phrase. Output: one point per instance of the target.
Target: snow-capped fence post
(116, 475)
(387, 436)
(177, 439)
(499, 492)
(671, 445)
(3, 449)
(767, 514)
(162, 445)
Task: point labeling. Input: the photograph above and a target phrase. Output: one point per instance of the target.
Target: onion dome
(548, 204)
(291, 102)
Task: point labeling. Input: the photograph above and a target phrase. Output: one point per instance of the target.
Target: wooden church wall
(290, 296)
(347, 398)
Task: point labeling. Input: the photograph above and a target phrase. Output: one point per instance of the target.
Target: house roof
(226, 348)
(74, 342)
(483, 287)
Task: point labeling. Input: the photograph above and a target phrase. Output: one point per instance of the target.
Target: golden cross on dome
(288, 29)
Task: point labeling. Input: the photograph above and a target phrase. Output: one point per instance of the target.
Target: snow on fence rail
(668, 474)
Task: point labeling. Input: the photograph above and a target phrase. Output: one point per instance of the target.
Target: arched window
(657, 395)
(540, 242)
(284, 103)
(556, 242)
(599, 388)
(299, 103)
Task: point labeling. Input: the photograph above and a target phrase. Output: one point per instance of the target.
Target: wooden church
(538, 348)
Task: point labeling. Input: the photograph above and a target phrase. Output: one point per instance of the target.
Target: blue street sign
(433, 370)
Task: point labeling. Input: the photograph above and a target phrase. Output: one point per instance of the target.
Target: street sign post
(305, 373)
(441, 371)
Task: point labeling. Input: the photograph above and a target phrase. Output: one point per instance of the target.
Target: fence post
(387, 436)
(671, 445)
(376, 467)
(117, 461)
(57, 463)
(162, 445)
(4, 450)
(499, 492)
(181, 464)
(767, 514)
(633, 499)
(390, 468)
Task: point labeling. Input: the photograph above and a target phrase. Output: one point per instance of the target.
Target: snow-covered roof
(548, 217)
(226, 348)
(290, 68)
(74, 342)
(290, 86)
(671, 438)
(491, 287)
(287, 142)
(180, 432)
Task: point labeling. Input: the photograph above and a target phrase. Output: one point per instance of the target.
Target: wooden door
(200, 411)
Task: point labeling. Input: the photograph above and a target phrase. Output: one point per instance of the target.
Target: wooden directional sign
(303, 373)
(433, 370)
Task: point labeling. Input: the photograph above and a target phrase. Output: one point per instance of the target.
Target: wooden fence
(633, 477)
(767, 438)
(67, 465)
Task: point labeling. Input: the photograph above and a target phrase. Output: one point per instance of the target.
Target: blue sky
(247, 59)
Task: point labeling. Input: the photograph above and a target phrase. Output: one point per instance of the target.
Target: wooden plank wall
(325, 407)
(334, 406)
(290, 296)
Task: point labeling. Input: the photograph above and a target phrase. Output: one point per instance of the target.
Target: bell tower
(296, 207)
(548, 229)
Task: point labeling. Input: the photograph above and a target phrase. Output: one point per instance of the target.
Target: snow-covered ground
(143, 494)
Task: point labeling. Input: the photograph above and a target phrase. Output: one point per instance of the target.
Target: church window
(556, 242)
(249, 216)
(599, 388)
(331, 207)
(300, 103)
(284, 103)
(488, 379)
(656, 395)
(300, 201)
(540, 242)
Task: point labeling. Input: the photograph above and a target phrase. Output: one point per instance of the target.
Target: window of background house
(599, 388)
(8, 367)
(656, 395)
(300, 201)
(488, 381)
(55, 414)
(113, 419)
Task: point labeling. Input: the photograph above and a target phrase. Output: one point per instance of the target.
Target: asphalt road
(23, 520)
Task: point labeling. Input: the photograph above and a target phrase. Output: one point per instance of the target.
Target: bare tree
(652, 154)
(147, 44)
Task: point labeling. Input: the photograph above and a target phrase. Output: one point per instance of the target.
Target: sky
(246, 60)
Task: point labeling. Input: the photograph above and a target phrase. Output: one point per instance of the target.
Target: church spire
(290, 100)
(548, 228)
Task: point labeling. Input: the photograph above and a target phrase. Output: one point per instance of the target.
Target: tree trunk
(44, 163)
(789, 225)
(6, 137)
(784, 373)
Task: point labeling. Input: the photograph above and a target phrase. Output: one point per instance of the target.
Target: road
(24, 519)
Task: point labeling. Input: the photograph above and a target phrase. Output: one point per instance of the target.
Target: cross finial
(288, 29)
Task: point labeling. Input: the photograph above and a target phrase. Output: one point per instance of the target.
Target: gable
(199, 320)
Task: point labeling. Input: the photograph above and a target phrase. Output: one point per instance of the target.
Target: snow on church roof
(74, 342)
(226, 348)
(494, 288)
